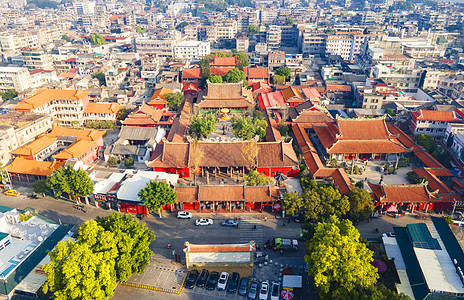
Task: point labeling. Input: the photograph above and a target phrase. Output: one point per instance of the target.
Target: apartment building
(454, 140)
(150, 69)
(85, 7)
(276, 59)
(66, 107)
(207, 33)
(273, 37)
(432, 122)
(18, 129)
(163, 47)
(242, 44)
(348, 44)
(114, 78)
(13, 42)
(14, 78)
(37, 59)
(404, 79)
(422, 50)
(226, 29)
(192, 49)
(313, 43)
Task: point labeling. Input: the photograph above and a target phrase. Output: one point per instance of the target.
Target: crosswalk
(249, 233)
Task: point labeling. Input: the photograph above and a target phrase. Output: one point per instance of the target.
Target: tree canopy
(97, 39)
(174, 100)
(215, 79)
(427, 141)
(283, 71)
(255, 178)
(202, 127)
(156, 194)
(106, 251)
(247, 127)
(236, 75)
(140, 29)
(252, 29)
(277, 79)
(74, 183)
(123, 113)
(8, 95)
(338, 260)
(101, 77)
(242, 59)
(361, 204)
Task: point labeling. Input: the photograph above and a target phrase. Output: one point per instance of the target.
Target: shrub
(112, 162)
(449, 220)
(129, 162)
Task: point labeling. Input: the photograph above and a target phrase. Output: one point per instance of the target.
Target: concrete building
(273, 37)
(37, 59)
(404, 80)
(14, 78)
(313, 44)
(84, 7)
(114, 78)
(226, 29)
(432, 122)
(276, 59)
(242, 44)
(454, 140)
(13, 42)
(163, 47)
(192, 49)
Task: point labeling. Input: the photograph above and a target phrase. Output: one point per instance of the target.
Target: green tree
(41, 187)
(378, 292)
(174, 100)
(338, 260)
(255, 178)
(83, 269)
(277, 79)
(283, 71)
(389, 111)
(414, 178)
(215, 79)
(222, 54)
(289, 21)
(236, 75)
(66, 37)
(205, 66)
(426, 141)
(202, 127)
(449, 220)
(112, 162)
(139, 29)
(252, 29)
(181, 25)
(283, 129)
(157, 194)
(247, 128)
(8, 95)
(129, 162)
(101, 78)
(292, 203)
(242, 59)
(74, 183)
(123, 113)
(132, 241)
(97, 39)
(361, 204)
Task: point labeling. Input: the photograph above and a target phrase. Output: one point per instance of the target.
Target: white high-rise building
(14, 78)
(192, 49)
(85, 7)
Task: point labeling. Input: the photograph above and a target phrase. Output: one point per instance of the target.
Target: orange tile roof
(89, 134)
(351, 129)
(338, 88)
(311, 94)
(75, 150)
(224, 62)
(190, 86)
(257, 73)
(220, 71)
(436, 115)
(102, 108)
(145, 115)
(408, 193)
(35, 146)
(32, 167)
(159, 94)
(433, 182)
(43, 96)
(194, 73)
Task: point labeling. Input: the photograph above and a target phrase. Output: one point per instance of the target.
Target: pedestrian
(265, 219)
(289, 220)
(284, 224)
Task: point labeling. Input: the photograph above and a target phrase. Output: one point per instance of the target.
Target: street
(169, 229)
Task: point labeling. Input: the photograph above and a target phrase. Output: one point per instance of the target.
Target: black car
(243, 287)
(212, 281)
(233, 283)
(201, 281)
(191, 279)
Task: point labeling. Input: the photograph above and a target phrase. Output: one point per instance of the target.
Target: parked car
(212, 281)
(253, 290)
(230, 222)
(201, 281)
(243, 287)
(233, 283)
(275, 291)
(264, 291)
(222, 282)
(184, 215)
(203, 222)
(12, 192)
(191, 279)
